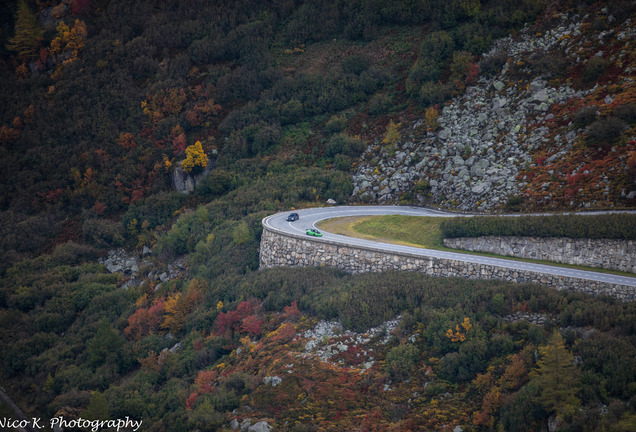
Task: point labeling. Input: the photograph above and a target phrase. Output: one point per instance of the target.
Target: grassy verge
(418, 231)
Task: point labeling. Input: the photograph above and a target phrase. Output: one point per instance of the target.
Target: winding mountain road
(310, 217)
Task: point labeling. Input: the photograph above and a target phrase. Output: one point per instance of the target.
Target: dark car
(292, 217)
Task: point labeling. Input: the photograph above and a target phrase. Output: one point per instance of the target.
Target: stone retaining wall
(280, 249)
(602, 253)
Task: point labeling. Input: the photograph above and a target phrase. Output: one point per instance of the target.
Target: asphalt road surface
(310, 217)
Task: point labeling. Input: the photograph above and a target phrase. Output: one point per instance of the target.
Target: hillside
(548, 124)
(121, 295)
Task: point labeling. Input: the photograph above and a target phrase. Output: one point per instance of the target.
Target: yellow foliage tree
(430, 118)
(392, 134)
(195, 158)
(558, 379)
(69, 40)
(458, 336)
(179, 306)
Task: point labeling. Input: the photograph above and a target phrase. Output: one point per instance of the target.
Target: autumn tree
(430, 118)
(126, 140)
(497, 391)
(164, 103)
(557, 378)
(145, 320)
(69, 40)
(458, 336)
(28, 33)
(229, 322)
(195, 158)
(392, 134)
(180, 306)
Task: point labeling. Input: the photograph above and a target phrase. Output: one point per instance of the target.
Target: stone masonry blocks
(285, 250)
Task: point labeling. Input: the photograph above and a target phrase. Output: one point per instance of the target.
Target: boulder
(540, 96)
(479, 168)
(261, 426)
(481, 188)
(186, 182)
(444, 134)
(272, 380)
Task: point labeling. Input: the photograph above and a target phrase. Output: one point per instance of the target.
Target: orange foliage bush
(69, 40)
(145, 320)
(8, 135)
(458, 336)
(126, 140)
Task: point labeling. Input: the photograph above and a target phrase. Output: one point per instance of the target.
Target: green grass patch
(419, 231)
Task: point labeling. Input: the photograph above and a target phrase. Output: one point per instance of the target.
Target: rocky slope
(515, 138)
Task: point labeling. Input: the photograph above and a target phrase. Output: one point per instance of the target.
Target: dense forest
(275, 101)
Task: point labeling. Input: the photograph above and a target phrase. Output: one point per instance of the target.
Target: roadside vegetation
(104, 98)
(429, 232)
(610, 226)
(408, 230)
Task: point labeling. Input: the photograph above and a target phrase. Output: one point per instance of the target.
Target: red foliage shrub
(228, 322)
(631, 163)
(99, 208)
(284, 333)
(205, 381)
(291, 313)
(252, 324)
(126, 140)
(179, 144)
(192, 399)
(145, 321)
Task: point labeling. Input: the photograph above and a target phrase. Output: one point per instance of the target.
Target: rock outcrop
(136, 269)
(490, 136)
(186, 182)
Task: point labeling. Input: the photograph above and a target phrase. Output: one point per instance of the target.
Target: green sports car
(314, 233)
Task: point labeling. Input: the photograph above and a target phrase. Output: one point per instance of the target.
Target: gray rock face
(540, 96)
(259, 427)
(184, 182)
(120, 261)
(479, 168)
(481, 188)
(129, 264)
(245, 425)
(484, 140)
(272, 380)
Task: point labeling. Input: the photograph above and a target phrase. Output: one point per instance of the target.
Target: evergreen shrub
(610, 226)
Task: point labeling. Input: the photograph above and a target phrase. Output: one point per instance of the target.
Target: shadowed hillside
(141, 144)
